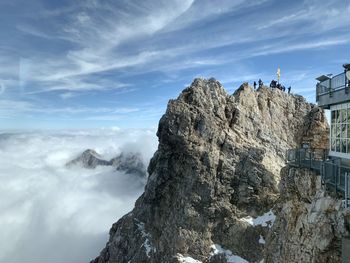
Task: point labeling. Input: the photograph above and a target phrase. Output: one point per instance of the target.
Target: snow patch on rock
(147, 243)
(183, 259)
(230, 257)
(266, 219)
(262, 240)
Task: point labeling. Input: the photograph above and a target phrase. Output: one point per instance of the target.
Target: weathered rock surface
(310, 224)
(214, 177)
(130, 163)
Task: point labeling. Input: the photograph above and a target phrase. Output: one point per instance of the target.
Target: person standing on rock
(254, 84)
(289, 89)
(273, 84)
(260, 83)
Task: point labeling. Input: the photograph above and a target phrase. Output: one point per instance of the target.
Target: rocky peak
(213, 180)
(130, 163)
(88, 159)
(205, 94)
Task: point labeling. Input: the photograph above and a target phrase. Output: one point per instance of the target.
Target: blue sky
(99, 63)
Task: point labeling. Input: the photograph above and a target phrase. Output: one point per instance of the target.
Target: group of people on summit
(274, 85)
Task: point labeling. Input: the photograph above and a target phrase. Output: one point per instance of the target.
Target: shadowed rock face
(130, 163)
(217, 168)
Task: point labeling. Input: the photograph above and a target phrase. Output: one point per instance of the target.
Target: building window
(340, 129)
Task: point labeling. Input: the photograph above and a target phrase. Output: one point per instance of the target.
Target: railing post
(311, 156)
(346, 189)
(321, 173)
(337, 179)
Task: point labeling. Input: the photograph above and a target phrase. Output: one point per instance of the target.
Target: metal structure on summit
(333, 164)
(334, 94)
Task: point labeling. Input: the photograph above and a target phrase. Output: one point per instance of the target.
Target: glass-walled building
(333, 93)
(340, 130)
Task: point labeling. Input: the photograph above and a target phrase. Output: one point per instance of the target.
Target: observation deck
(332, 90)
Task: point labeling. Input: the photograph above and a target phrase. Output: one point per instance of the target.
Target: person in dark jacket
(254, 85)
(289, 88)
(260, 83)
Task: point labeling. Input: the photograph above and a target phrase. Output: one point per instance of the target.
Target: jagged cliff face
(214, 175)
(310, 224)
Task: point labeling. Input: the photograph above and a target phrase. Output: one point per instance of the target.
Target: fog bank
(53, 214)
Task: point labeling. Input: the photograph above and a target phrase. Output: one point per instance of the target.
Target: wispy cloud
(79, 83)
(10, 108)
(67, 95)
(98, 38)
(14, 107)
(283, 48)
(104, 118)
(27, 29)
(205, 10)
(117, 47)
(2, 88)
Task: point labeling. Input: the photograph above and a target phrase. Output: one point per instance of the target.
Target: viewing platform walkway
(332, 90)
(335, 177)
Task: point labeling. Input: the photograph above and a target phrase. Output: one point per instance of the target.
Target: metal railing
(309, 158)
(338, 81)
(334, 175)
(330, 85)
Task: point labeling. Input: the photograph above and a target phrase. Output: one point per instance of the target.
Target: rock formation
(310, 224)
(88, 159)
(214, 178)
(130, 163)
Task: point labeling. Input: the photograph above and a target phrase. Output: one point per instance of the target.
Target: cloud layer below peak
(54, 214)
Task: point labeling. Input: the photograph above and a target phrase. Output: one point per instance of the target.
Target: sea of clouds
(54, 214)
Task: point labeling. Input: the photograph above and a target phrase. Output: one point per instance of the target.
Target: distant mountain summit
(213, 182)
(130, 163)
(88, 159)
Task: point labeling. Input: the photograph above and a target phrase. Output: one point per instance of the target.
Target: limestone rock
(309, 224)
(88, 159)
(215, 175)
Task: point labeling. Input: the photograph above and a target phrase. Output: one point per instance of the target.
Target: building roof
(323, 78)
